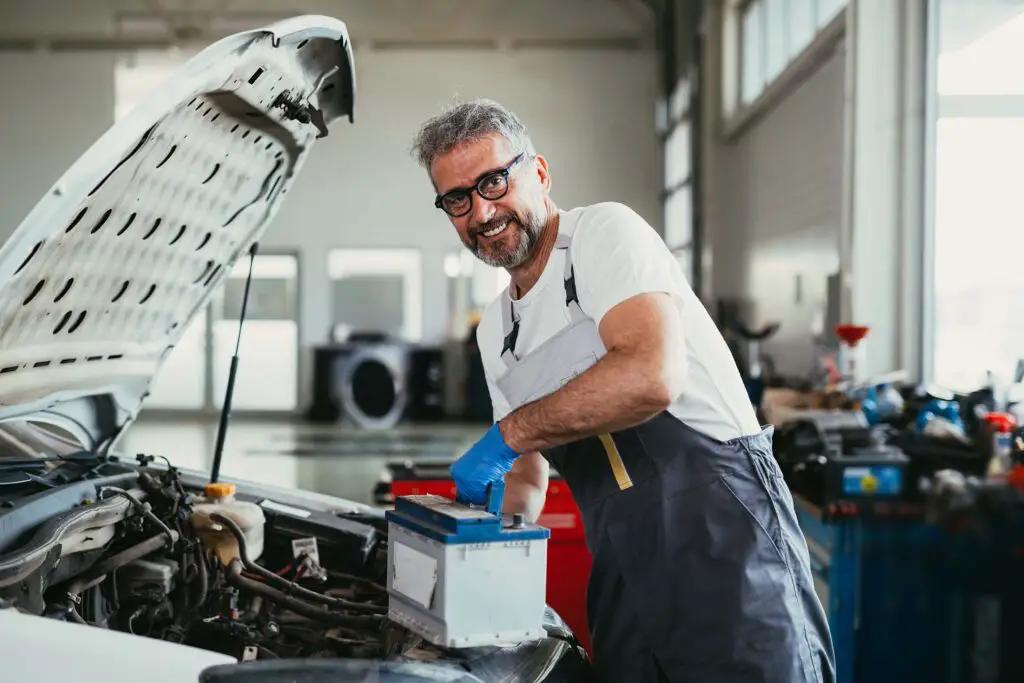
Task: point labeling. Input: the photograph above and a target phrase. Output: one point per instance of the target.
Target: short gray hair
(464, 122)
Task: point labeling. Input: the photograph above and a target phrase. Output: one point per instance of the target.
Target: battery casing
(461, 576)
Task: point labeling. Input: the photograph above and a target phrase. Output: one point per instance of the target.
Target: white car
(104, 574)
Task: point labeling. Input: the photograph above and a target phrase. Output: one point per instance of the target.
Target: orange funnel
(851, 334)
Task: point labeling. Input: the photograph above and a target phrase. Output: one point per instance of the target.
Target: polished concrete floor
(337, 460)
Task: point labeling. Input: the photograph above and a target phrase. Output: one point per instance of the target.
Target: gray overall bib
(700, 572)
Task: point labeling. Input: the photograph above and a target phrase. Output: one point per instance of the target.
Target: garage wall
(774, 205)
(54, 107)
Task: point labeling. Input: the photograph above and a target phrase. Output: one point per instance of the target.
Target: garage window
(977, 313)
(773, 34)
(677, 195)
(378, 291)
(752, 41)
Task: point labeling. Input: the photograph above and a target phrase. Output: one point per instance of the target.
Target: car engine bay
(131, 551)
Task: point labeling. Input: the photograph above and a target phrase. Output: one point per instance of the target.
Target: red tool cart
(568, 557)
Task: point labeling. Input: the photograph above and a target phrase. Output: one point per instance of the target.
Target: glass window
(775, 38)
(679, 218)
(979, 313)
(268, 366)
(181, 380)
(677, 156)
(801, 26)
(977, 310)
(983, 49)
(752, 51)
(377, 290)
(679, 103)
(828, 9)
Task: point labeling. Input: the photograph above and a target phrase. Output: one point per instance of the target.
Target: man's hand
(488, 460)
(639, 376)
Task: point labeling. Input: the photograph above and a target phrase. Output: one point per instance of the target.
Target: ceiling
(383, 24)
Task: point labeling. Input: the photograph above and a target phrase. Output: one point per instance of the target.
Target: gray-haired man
(601, 361)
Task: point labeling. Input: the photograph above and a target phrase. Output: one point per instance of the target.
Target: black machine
(834, 460)
(377, 382)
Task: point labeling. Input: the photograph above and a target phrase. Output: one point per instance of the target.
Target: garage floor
(340, 461)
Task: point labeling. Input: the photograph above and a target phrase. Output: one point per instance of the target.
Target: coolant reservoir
(219, 499)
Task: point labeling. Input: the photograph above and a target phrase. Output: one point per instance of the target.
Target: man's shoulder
(605, 213)
(599, 229)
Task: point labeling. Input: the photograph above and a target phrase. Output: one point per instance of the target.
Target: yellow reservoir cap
(219, 490)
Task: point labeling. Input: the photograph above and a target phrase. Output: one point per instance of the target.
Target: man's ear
(541, 169)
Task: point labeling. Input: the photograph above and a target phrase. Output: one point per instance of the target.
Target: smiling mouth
(495, 231)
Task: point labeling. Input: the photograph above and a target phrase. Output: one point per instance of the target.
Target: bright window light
(979, 164)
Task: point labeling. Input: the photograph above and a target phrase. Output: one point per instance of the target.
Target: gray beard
(527, 236)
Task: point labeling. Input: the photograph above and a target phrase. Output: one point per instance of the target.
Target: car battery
(465, 576)
(569, 560)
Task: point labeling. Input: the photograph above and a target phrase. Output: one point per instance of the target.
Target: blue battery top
(454, 522)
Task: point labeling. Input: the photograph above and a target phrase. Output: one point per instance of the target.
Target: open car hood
(102, 278)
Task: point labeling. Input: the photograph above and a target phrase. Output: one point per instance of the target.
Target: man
(601, 361)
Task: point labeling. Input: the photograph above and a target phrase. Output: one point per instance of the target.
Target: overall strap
(572, 300)
(510, 327)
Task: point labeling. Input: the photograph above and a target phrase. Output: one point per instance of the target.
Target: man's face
(502, 230)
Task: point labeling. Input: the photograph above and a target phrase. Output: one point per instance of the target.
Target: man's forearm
(523, 497)
(617, 392)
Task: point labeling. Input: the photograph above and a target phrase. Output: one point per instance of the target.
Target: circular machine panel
(373, 386)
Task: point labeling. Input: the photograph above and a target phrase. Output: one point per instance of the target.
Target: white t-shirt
(616, 254)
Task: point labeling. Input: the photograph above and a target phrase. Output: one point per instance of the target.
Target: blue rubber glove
(489, 459)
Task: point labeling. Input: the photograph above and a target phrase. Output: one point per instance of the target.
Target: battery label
(874, 480)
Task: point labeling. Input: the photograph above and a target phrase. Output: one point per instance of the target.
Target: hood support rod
(225, 414)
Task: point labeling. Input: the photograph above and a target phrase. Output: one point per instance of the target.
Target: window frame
(736, 113)
(677, 117)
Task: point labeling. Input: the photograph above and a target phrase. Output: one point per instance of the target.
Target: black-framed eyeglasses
(494, 185)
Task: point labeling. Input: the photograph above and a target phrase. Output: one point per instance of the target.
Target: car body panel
(27, 653)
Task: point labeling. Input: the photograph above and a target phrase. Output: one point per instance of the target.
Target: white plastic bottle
(219, 499)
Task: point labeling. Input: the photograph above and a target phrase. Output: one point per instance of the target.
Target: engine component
(144, 576)
(342, 544)
(321, 614)
(219, 501)
(271, 577)
(461, 576)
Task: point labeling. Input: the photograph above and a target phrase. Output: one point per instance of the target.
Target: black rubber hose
(292, 587)
(194, 596)
(234, 576)
(203, 578)
(146, 510)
